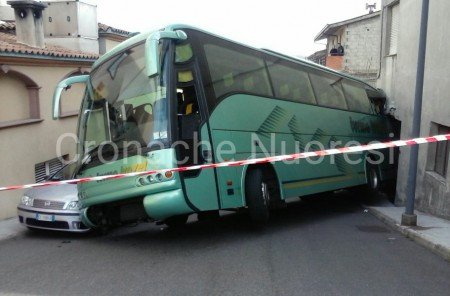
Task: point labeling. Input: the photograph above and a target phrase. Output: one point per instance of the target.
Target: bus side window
(291, 82)
(356, 95)
(233, 71)
(328, 90)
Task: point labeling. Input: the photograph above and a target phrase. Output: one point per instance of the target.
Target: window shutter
(40, 171)
(54, 165)
(393, 36)
(47, 168)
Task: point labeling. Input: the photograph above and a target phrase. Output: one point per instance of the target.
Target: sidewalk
(431, 232)
(10, 228)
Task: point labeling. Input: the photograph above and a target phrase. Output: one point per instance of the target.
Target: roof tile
(102, 28)
(7, 25)
(9, 44)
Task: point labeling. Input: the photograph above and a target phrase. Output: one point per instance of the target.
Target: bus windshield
(124, 106)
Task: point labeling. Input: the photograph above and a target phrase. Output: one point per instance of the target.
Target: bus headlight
(27, 201)
(159, 177)
(154, 178)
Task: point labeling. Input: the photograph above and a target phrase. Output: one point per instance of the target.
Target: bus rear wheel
(257, 196)
(373, 178)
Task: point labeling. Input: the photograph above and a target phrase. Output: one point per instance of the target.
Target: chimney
(29, 25)
(72, 24)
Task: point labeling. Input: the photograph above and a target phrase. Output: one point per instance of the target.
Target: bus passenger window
(284, 91)
(356, 96)
(328, 90)
(228, 80)
(249, 84)
(291, 82)
(234, 71)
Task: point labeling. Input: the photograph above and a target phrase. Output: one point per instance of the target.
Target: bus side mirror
(152, 57)
(64, 85)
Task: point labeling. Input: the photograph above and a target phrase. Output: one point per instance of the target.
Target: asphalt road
(323, 246)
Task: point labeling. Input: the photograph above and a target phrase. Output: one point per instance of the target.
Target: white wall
(362, 46)
(433, 191)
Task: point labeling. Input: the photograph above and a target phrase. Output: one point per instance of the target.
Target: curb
(438, 249)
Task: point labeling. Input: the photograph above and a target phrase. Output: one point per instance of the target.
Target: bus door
(194, 145)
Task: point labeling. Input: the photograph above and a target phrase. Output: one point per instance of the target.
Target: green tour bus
(181, 96)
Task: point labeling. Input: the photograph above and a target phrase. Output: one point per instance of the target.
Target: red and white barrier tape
(375, 146)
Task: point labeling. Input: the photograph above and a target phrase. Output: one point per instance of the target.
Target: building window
(394, 24)
(20, 99)
(442, 152)
(47, 168)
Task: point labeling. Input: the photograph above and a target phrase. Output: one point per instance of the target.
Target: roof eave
(324, 33)
(44, 57)
(113, 36)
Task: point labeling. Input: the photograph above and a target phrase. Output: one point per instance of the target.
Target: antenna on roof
(371, 7)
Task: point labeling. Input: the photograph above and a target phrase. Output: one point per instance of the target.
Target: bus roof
(143, 36)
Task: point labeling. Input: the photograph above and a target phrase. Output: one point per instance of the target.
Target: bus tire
(373, 178)
(257, 196)
(176, 221)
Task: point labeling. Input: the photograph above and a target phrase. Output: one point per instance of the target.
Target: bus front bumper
(158, 206)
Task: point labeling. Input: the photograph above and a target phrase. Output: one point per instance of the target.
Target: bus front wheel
(257, 196)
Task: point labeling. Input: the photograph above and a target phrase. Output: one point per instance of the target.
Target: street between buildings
(325, 245)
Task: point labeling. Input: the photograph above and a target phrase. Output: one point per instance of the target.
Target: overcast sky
(280, 25)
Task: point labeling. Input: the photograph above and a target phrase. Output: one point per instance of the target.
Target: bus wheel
(373, 178)
(176, 221)
(257, 196)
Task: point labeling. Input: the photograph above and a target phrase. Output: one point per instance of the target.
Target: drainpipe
(409, 218)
